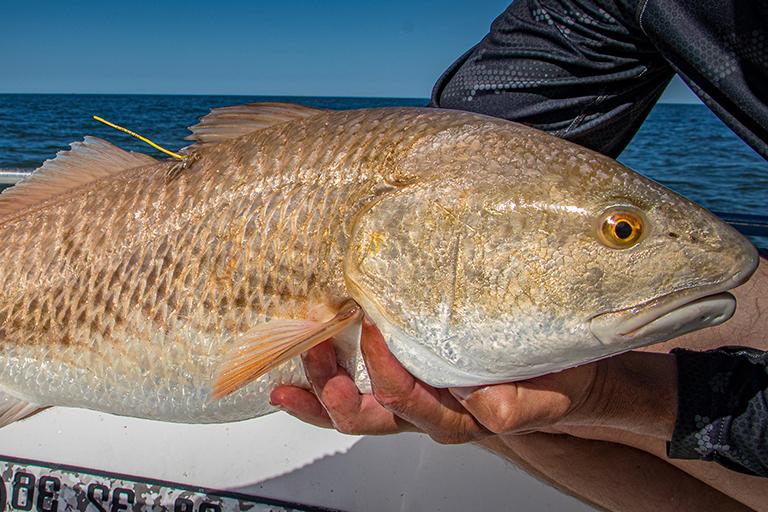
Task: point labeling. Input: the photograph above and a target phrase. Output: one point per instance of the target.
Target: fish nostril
(672, 234)
(694, 239)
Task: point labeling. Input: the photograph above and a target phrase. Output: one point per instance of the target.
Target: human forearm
(723, 408)
(709, 405)
(748, 326)
(607, 475)
(636, 392)
(749, 490)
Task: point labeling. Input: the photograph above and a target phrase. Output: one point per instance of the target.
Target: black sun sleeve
(723, 408)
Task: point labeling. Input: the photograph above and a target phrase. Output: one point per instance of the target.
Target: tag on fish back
(269, 345)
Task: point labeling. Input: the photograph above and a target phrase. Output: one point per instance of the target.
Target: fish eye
(620, 228)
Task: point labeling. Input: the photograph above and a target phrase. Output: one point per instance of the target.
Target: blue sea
(684, 147)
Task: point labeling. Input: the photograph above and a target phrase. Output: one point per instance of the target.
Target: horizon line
(426, 98)
(421, 98)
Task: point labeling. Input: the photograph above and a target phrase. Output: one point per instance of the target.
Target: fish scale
(129, 293)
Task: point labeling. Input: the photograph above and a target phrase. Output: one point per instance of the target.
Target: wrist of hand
(636, 392)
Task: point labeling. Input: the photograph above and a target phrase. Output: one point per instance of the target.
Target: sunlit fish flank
(485, 251)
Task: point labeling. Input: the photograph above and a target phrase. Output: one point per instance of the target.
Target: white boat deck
(279, 457)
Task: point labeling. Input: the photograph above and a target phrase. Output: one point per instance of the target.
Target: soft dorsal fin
(230, 122)
(85, 162)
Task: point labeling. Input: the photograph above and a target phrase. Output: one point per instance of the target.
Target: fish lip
(681, 311)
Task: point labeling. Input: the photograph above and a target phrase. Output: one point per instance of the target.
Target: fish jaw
(662, 319)
(673, 314)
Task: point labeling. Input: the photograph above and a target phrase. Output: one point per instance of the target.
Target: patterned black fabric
(723, 408)
(591, 70)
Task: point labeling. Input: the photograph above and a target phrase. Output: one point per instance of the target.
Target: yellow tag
(141, 138)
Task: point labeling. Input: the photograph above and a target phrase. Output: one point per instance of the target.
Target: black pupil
(623, 230)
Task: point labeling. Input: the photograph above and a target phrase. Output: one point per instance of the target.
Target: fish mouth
(669, 315)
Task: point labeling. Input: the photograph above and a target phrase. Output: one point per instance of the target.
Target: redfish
(484, 250)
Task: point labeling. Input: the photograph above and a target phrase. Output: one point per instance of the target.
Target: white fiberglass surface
(279, 457)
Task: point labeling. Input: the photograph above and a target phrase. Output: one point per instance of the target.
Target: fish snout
(724, 259)
(734, 255)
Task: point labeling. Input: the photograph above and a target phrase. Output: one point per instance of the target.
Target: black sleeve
(580, 70)
(591, 70)
(720, 49)
(723, 408)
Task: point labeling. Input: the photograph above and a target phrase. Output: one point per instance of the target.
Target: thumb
(513, 408)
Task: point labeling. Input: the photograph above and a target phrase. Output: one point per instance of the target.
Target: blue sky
(330, 48)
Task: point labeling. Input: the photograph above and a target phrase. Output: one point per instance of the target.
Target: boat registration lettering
(33, 485)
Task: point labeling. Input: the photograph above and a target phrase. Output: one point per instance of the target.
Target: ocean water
(684, 147)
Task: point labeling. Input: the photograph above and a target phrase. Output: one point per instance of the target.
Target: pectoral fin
(14, 409)
(271, 344)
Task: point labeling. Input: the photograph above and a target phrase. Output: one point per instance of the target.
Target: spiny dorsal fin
(14, 409)
(87, 161)
(230, 122)
(269, 345)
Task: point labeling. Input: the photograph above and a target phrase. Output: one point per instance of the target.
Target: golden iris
(621, 229)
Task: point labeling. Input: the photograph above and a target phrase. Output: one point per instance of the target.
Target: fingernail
(463, 393)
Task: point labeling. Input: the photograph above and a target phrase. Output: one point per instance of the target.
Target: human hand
(399, 402)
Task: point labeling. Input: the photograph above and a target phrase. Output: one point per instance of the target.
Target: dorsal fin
(85, 162)
(226, 123)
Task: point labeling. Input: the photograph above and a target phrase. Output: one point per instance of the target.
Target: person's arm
(709, 405)
(583, 71)
(591, 71)
(723, 408)
(608, 475)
